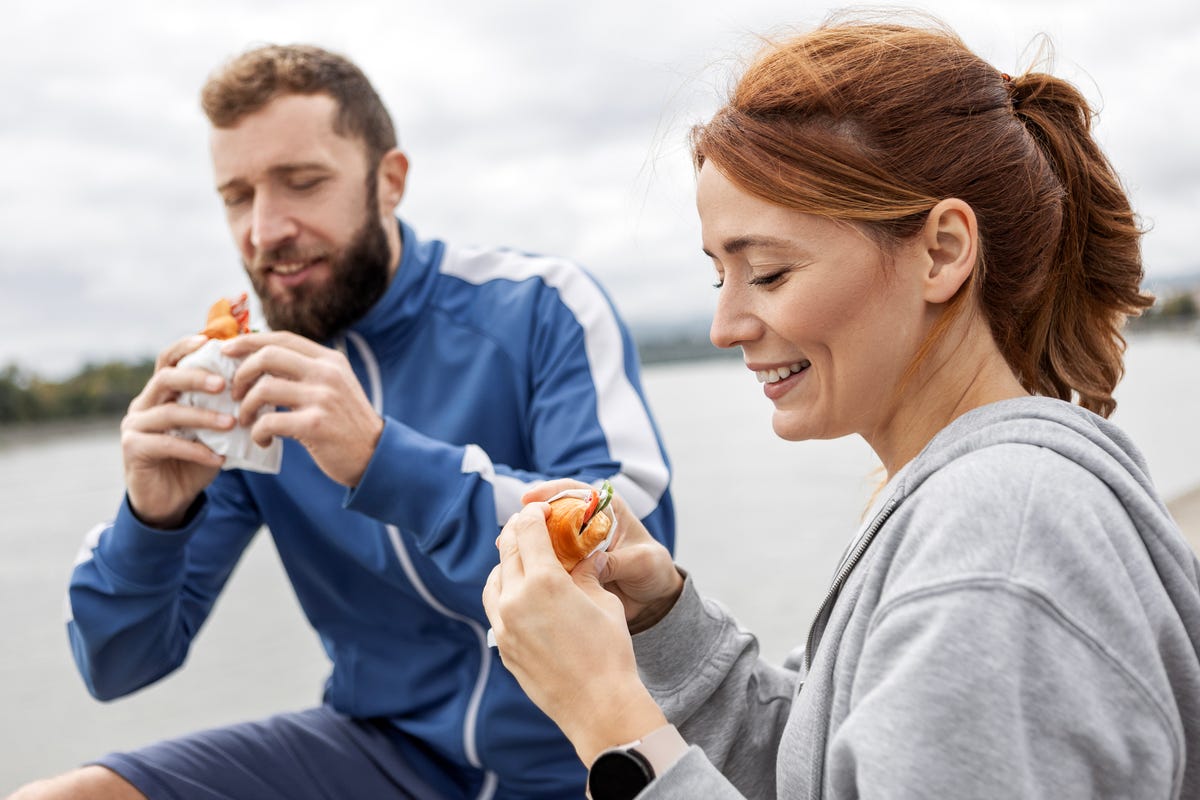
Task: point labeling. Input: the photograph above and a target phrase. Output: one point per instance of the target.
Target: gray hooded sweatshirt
(1020, 617)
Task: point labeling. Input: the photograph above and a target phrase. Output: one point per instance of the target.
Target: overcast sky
(557, 127)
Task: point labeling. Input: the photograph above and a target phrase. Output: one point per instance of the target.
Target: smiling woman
(916, 248)
(822, 314)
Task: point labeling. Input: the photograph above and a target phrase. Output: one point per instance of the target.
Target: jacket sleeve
(705, 674)
(585, 418)
(138, 595)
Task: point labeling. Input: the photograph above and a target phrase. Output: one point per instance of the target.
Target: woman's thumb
(591, 571)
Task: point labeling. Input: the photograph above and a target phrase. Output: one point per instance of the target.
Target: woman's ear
(951, 241)
(393, 171)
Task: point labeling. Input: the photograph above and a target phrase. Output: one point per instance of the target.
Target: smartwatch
(622, 772)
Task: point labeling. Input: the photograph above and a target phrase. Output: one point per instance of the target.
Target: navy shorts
(316, 754)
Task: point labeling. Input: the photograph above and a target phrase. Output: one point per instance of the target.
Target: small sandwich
(227, 318)
(581, 522)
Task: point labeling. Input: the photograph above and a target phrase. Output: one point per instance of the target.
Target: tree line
(96, 390)
(106, 389)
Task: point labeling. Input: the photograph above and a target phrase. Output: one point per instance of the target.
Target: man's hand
(318, 401)
(165, 473)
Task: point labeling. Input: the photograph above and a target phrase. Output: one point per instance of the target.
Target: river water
(746, 502)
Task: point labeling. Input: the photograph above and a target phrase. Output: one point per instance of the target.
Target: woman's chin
(793, 427)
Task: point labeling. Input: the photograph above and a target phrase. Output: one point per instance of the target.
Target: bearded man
(419, 388)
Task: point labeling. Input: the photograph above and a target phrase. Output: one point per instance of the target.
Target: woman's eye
(718, 283)
(767, 280)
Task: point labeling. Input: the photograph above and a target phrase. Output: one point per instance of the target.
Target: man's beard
(358, 276)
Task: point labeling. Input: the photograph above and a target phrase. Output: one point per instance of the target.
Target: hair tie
(1010, 86)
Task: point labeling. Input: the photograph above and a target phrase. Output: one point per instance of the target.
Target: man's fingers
(247, 343)
(169, 382)
(170, 416)
(270, 390)
(177, 350)
(281, 362)
(164, 446)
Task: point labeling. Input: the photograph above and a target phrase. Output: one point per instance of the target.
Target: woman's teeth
(779, 373)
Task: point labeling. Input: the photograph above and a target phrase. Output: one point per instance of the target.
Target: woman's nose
(733, 323)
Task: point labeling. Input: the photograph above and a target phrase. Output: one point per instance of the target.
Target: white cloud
(548, 126)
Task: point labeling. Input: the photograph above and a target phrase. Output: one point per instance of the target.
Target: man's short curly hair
(249, 81)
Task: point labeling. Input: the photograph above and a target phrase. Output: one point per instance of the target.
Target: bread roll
(227, 319)
(580, 523)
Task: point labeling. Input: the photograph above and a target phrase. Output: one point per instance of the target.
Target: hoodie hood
(1095, 444)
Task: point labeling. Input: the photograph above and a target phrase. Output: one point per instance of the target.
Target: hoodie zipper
(817, 628)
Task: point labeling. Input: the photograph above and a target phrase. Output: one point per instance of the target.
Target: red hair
(876, 123)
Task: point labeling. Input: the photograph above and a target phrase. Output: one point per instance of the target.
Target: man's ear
(393, 171)
(951, 241)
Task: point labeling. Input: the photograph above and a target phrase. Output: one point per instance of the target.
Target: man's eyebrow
(740, 243)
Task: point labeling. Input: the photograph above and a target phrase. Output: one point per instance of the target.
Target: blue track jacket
(493, 370)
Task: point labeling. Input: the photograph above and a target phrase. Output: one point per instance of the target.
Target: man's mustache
(286, 254)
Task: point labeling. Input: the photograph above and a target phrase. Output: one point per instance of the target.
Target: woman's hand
(564, 638)
(636, 568)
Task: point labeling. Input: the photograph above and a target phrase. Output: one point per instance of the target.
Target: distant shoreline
(656, 348)
(25, 434)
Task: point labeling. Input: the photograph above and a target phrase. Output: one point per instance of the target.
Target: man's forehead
(289, 129)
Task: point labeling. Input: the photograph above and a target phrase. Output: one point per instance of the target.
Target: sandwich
(227, 318)
(581, 523)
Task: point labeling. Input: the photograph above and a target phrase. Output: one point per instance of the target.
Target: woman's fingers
(544, 491)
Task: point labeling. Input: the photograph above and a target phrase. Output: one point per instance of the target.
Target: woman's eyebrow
(739, 243)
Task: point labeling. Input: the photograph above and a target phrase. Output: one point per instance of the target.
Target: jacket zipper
(817, 628)
(490, 779)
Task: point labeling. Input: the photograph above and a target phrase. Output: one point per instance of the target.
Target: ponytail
(1071, 337)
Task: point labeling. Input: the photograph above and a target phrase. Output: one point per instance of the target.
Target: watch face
(619, 775)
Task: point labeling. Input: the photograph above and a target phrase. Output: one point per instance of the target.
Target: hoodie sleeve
(138, 595)
(705, 673)
(585, 417)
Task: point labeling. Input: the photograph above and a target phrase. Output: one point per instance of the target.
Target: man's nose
(271, 224)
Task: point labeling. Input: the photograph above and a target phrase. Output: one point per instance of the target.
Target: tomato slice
(593, 502)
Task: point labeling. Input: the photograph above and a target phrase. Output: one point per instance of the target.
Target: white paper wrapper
(239, 449)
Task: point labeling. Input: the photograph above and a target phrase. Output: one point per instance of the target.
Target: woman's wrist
(652, 613)
(627, 716)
